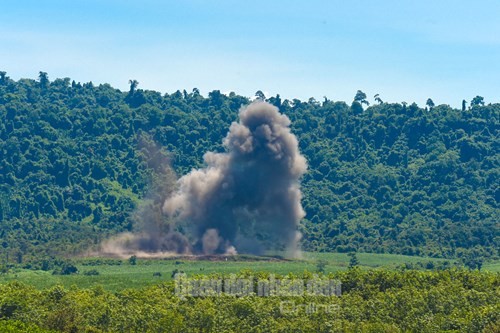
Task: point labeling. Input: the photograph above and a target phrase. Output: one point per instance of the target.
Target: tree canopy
(75, 164)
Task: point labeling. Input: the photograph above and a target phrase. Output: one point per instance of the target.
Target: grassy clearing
(119, 277)
(369, 259)
(492, 266)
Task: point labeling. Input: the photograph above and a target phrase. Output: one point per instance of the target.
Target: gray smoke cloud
(248, 198)
(154, 234)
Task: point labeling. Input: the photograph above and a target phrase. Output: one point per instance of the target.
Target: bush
(91, 272)
(4, 269)
(321, 265)
(66, 269)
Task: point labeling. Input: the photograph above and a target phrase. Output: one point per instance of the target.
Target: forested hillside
(76, 159)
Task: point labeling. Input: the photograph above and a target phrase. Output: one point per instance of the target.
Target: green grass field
(118, 277)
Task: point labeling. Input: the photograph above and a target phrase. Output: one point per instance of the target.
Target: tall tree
(353, 261)
(360, 97)
(216, 98)
(476, 101)
(44, 80)
(430, 103)
(3, 77)
(133, 86)
(260, 95)
(276, 101)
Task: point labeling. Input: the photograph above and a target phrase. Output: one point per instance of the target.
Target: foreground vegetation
(371, 301)
(77, 159)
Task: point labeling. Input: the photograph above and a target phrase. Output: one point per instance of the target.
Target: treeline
(77, 159)
(371, 301)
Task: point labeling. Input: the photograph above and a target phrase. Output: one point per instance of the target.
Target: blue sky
(403, 50)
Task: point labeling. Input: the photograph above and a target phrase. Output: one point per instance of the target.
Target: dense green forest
(371, 301)
(77, 159)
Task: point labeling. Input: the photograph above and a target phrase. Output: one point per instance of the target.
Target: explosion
(246, 199)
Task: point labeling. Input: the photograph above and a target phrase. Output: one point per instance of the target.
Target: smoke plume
(248, 198)
(154, 234)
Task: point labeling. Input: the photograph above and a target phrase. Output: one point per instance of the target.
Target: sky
(403, 50)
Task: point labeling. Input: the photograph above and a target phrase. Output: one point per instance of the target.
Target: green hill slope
(76, 160)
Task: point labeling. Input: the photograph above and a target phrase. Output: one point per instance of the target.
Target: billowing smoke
(245, 200)
(248, 198)
(154, 234)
